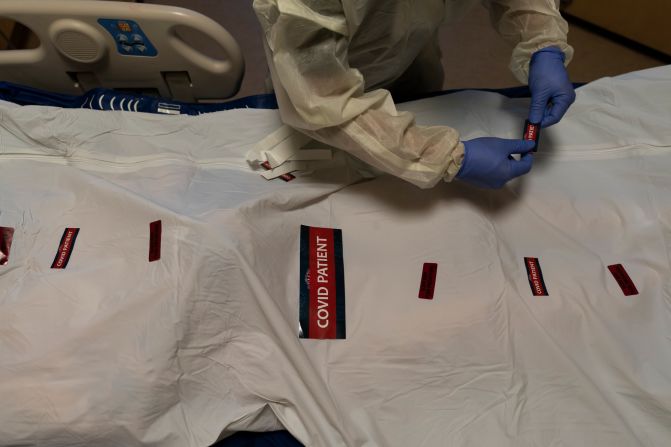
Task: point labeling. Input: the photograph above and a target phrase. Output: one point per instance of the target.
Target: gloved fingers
(521, 167)
(538, 106)
(519, 146)
(560, 105)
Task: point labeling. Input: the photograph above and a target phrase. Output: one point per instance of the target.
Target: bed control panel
(129, 38)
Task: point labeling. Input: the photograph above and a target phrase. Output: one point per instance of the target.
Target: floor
(474, 55)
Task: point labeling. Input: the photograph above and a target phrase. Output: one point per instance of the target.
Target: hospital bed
(156, 289)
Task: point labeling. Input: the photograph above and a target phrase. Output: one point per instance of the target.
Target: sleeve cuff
(454, 163)
(519, 62)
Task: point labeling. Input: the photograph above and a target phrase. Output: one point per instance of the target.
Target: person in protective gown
(335, 63)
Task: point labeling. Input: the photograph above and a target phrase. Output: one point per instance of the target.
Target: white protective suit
(330, 61)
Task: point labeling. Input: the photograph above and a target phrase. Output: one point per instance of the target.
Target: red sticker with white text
(532, 132)
(322, 284)
(535, 276)
(65, 248)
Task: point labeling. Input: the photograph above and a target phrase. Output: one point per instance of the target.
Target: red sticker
(285, 177)
(322, 293)
(427, 284)
(155, 230)
(322, 289)
(535, 276)
(532, 132)
(6, 237)
(65, 248)
(623, 280)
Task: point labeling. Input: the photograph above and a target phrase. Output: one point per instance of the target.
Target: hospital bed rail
(125, 46)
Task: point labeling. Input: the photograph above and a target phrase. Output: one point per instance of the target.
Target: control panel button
(124, 27)
(128, 36)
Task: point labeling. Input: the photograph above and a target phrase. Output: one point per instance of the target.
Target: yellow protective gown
(333, 61)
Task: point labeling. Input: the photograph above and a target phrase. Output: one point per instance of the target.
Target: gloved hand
(488, 163)
(549, 82)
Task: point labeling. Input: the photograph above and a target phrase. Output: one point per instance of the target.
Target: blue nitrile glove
(488, 162)
(549, 83)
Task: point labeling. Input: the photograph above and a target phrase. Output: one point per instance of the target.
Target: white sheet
(114, 350)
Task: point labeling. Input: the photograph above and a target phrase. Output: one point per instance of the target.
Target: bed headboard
(128, 46)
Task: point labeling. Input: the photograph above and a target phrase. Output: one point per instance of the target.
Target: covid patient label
(532, 132)
(322, 284)
(535, 276)
(65, 248)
